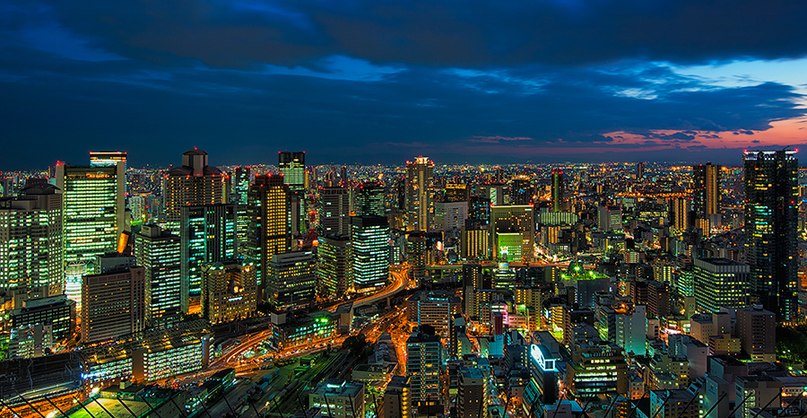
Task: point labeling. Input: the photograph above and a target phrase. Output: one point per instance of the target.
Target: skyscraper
(369, 236)
(720, 283)
(93, 217)
(771, 224)
(31, 241)
(292, 167)
(706, 193)
(473, 396)
(334, 269)
(369, 200)
(229, 291)
(114, 299)
(520, 190)
(207, 236)
(334, 211)
(679, 213)
(158, 252)
(558, 190)
(269, 231)
(418, 197)
(424, 360)
(292, 281)
(512, 228)
(193, 184)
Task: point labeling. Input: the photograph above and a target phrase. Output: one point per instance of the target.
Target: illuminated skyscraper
(291, 283)
(771, 228)
(424, 360)
(31, 244)
(93, 217)
(520, 190)
(114, 299)
(512, 227)
(706, 190)
(457, 192)
(679, 213)
(158, 252)
(473, 396)
(115, 159)
(207, 236)
(334, 211)
(269, 231)
(193, 184)
(292, 167)
(229, 292)
(720, 283)
(419, 202)
(240, 185)
(369, 236)
(334, 269)
(369, 200)
(558, 190)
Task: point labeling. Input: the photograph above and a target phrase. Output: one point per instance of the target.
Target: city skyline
(366, 82)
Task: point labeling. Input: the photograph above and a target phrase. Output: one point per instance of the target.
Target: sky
(381, 81)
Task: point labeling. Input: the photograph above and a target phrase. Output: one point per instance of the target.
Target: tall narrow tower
(419, 188)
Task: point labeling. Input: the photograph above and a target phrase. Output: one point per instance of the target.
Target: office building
(369, 199)
(512, 232)
(229, 291)
(435, 309)
(369, 237)
(543, 386)
(270, 230)
(424, 359)
(114, 299)
(419, 197)
(30, 341)
(630, 326)
(334, 269)
(31, 243)
(292, 168)
(706, 190)
(207, 235)
(720, 283)
(450, 215)
(756, 328)
(679, 214)
(597, 368)
(771, 228)
(473, 395)
(57, 311)
(292, 280)
(334, 211)
(92, 219)
(159, 253)
(240, 185)
(338, 399)
(558, 191)
(521, 190)
(195, 183)
(457, 192)
(609, 218)
(396, 402)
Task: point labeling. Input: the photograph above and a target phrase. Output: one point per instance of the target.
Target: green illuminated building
(720, 283)
(369, 237)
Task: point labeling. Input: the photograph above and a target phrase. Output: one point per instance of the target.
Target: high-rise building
(292, 167)
(609, 218)
(369, 199)
(424, 359)
(269, 232)
(92, 219)
(334, 269)
(229, 291)
(512, 228)
(706, 190)
(640, 170)
(240, 185)
(419, 197)
(630, 328)
(558, 190)
(158, 252)
(193, 184)
(114, 299)
(115, 159)
(457, 192)
(473, 396)
(207, 235)
(720, 283)
(771, 228)
(334, 211)
(435, 309)
(679, 213)
(31, 243)
(520, 190)
(396, 403)
(239, 196)
(57, 311)
(369, 236)
(292, 281)
(756, 328)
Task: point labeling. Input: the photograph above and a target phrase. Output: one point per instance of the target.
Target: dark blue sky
(381, 81)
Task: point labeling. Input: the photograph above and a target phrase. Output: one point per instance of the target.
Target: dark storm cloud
(370, 81)
(448, 33)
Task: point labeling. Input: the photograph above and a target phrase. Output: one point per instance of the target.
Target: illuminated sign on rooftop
(541, 356)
